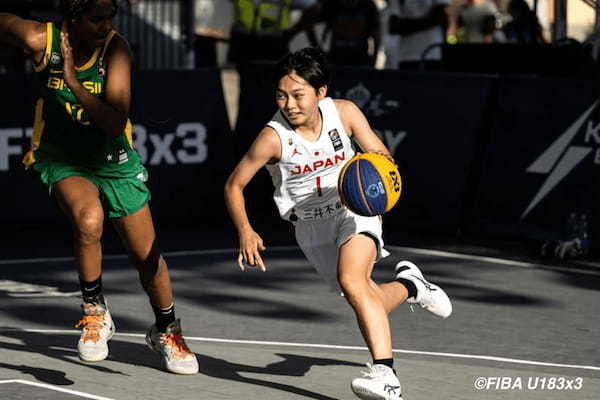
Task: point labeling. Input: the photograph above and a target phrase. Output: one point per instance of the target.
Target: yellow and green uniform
(65, 143)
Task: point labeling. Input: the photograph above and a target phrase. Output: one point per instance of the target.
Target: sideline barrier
(24, 199)
(481, 155)
(181, 132)
(431, 124)
(542, 161)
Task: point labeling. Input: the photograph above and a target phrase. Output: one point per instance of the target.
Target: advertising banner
(431, 123)
(24, 199)
(182, 134)
(543, 159)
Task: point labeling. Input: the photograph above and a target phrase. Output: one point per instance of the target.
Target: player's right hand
(251, 244)
(67, 54)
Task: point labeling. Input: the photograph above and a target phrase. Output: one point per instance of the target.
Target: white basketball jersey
(306, 177)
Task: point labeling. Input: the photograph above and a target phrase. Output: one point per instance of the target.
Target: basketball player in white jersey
(304, 148)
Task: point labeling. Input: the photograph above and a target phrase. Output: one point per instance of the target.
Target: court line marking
(56, 388)
(413, 250)
(330, 346)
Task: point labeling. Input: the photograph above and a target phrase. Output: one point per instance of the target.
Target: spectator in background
(261, 29)
(355, 31)
(419, 24)
(389, 42)
(479, 20)
(212, 23)
(524, 26)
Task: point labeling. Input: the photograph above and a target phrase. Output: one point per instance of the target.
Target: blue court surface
(521, 329)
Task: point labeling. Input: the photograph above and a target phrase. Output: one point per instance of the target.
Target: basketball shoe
(429, 296)
(98, 328)
(378, 383)
(171, 346)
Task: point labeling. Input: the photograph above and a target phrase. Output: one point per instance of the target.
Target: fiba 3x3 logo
(186, 145)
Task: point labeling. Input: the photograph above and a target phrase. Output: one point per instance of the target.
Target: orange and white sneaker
(98, 328)
(171, 346)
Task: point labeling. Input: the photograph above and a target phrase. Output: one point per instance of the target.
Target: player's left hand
(67, 53)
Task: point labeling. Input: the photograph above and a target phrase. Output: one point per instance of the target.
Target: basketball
(369, 184)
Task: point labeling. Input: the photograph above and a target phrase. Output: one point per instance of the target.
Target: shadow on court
(44, 375)
(498, 296)
(578, 280)
(64, 348)
(259, 308)
(291, 365)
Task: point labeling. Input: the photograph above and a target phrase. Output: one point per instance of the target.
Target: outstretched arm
(266, 148)
(28, 35)
(109, 114)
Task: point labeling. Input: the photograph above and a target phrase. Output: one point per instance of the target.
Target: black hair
(309, 63)
(72, 9)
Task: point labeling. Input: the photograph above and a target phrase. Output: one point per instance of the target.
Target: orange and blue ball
(369, 184)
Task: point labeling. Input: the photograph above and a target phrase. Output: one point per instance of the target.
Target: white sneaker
(171, 346)
(429, 296)
(379, 383)
(98, 328)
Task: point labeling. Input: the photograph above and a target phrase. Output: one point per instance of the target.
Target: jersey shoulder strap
(285, 132)
(101, 65)
(52, 39)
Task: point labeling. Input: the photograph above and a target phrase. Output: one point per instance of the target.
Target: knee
(152, 263)
(354, 287)
(88, 226)
(150, 269)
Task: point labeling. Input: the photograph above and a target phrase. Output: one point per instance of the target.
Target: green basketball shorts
(120, 195)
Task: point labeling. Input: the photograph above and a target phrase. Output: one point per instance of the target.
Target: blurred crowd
(391, 34)
(404, 33)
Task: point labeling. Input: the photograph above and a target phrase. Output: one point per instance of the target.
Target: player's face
(93, 26)
(298, 99)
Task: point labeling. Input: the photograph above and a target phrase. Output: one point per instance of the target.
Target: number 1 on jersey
(319, 192)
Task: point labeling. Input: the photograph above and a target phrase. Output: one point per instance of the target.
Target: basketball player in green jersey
(82, 150)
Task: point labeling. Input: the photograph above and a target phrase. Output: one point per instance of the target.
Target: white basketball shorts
(321, 239)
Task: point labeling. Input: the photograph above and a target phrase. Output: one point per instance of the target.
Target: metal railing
(160, 32)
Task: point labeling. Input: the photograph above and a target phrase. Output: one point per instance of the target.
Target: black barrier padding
(256, 104)
(256, 107)
(24, 199)
(188, 148)
(431, 123)
(566, 59)
(531, 117)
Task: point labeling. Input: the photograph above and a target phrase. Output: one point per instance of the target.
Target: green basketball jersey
(62, 131)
